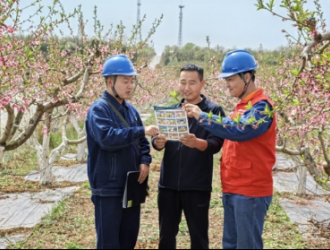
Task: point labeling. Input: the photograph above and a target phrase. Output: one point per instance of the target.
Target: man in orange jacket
(248, 153)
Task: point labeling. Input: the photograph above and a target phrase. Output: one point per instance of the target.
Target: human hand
(189, 141)
(160, 141)
(151, 131)
(192, 111)
(144, 172)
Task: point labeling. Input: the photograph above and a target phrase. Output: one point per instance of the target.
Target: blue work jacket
(113, 149)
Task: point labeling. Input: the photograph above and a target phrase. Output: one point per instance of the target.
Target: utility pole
(139, 19)
(138, 13)
(180, 26)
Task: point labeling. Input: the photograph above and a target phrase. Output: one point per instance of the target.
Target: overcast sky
(229, 23)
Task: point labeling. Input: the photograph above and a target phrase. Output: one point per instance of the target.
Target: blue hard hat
(118, 65)
(238, 61)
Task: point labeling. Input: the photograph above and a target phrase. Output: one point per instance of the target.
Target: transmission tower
(138, 12)
(180, 27)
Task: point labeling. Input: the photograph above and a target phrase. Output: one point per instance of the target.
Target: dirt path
(155, 61)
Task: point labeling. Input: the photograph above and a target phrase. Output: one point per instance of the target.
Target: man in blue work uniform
(187, 169)
(117, 144)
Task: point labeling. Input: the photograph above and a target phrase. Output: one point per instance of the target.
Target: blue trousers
(244, 221)
(116, 228)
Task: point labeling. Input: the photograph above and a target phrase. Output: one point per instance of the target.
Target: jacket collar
(114, 102)
(251, 96)
(202, 105)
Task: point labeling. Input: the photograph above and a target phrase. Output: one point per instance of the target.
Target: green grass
(280, 232)
(52, 218)
(19, 162)
(56, 214)
(74, 246)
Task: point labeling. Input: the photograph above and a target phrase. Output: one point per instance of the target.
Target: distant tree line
(76, 45)
(192, 53)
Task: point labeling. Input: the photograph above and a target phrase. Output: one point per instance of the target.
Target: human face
(191, 86)
(235, 85)
(124, 86)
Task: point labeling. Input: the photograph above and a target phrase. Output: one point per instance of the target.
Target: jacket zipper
(135, 147)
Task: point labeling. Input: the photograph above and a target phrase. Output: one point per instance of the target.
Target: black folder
(135, 193)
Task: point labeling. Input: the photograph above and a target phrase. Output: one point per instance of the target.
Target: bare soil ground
(71, 225)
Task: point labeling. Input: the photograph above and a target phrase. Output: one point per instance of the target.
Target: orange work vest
(246, 167)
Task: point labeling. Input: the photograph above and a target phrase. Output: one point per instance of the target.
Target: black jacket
(186, 169)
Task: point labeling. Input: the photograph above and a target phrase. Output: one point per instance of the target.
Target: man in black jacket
(187, 169)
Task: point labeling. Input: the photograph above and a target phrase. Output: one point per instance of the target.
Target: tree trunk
(2, 150)
(302, 181)
(46, 174)
(81, 148)
(311, 165)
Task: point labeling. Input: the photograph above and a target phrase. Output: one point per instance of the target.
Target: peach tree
(300, 88)
(47, 78)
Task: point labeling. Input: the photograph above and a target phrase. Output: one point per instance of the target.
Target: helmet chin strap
(242, 75)
(114, 90)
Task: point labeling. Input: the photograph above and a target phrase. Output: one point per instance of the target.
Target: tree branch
(83, 86)
(306, 54)
(71, 142)
(326, 110)
(60, 115)
(25, 135)
(74, 78)
(82, 71)
(324, 149)
(323, 48)
(9, 125)
(290, 151)
(18, 120)
(74, 123)
(42, 108)
(56, 153)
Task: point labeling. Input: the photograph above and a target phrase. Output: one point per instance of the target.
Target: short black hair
(253, 74)
(194, 67)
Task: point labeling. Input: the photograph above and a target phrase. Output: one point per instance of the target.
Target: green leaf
(267, 109)
(30, 54)
(210, 115)
(269, 112)
(237, 119)
(251, 120)
(295, 72)
(249, 106)
(261, 122)
(219, 120)
(174, 94)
